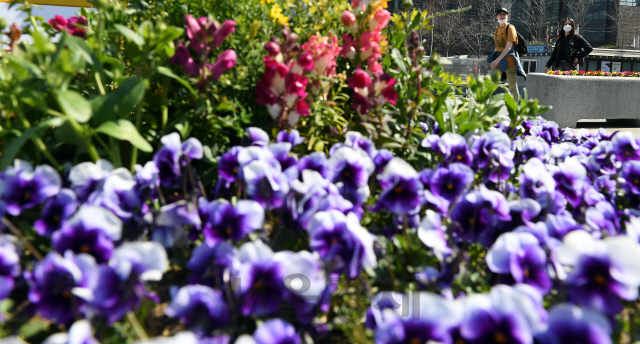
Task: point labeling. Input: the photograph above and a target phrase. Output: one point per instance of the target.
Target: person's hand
(494, 63)
(545, 69)
(576, 61)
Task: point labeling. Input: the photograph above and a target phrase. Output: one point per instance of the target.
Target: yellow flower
(264, 2)
(276, 13)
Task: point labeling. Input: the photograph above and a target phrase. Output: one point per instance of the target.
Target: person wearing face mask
(570, 48)
(505, 58)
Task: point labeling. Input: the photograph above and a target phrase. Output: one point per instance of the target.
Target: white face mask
(502, 21)
(567, 28)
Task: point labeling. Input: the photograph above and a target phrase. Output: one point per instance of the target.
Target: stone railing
(585, 97)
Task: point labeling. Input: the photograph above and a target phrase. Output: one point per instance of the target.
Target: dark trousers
(565, 66)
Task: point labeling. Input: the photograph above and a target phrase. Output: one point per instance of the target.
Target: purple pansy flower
(316, 161)
(288, 163)
(224, 221)
(9, 269)
(316, 194)
(228, 165)
(265, 184)
(381, 159)
(569, 323)
(454, 148)
(356, 140)
(53, 281)
(625, 146)
(415, 318)
(631, 175)
(522, 211)
(520, 255)
(570, 177)
(487, 147)
(432, 234)
(146, 178)
(258, 137)
(79, 333)
(602, 271)
(603, 218)
(305, 284)
(505, 315)
(478, 211)
(260, 288)
(532, 147)
(450, 182)
(87, 177)
(536, 182)
(548, 130)
(293, 137)
(602, 159)
(198, 307)
(173, 220)
(187, 337)
(55, 212)
(272, 331)
(25, 188)
(118, 287)
(119, 195)
(276, 331)
(560, 225)
(401, 194)
(350, 169)
(173, 156)
(342, 243)
(254, 153)
(91, 230)
(208, 263)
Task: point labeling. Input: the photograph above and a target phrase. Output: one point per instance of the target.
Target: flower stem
(15, 230)
(137, 326)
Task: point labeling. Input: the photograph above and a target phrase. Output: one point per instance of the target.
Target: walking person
(505, 57)
(569, 50)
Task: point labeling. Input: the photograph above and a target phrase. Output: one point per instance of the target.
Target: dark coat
(568, 49)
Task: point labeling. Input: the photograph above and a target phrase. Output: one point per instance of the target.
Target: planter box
(585, 97)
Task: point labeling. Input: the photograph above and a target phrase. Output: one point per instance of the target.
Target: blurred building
(609, 22)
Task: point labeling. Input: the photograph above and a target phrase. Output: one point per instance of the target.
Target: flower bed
(278, 178)
(595, 73)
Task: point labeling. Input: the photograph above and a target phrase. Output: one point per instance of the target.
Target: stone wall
(585, 97)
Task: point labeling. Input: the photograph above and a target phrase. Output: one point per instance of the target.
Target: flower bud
(272, 48)
(407, 4)
(348, 18)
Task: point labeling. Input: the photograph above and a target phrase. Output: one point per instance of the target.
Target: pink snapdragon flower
(364, 46)
(371, 91)
(323, 51)
(205, 35)
(283, 87)
(74, 25)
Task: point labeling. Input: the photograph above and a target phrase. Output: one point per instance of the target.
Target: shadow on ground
(609, 123)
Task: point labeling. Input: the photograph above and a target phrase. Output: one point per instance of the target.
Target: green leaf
(397, 58)
(167, 72)
(126, 131)
(128, 95)
(105, 108)
(74, 105)
(39, 41)
(32, 328)
(10, 152)
(130, 35)
(15, 59)
(146, 30)
(80, 46)
(512, 107)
